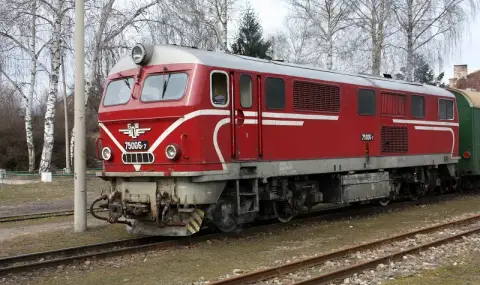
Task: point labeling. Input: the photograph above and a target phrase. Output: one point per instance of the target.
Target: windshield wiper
(126, 83)
(165, 82)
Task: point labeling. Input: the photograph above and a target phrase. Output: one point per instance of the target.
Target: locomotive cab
(151, 144)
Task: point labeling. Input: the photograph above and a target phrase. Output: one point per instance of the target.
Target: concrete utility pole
(80, 209)
(65, 106)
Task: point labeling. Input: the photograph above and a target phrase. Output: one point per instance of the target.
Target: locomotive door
(246, 117)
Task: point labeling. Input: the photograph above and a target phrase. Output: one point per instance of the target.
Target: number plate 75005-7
(136, 145)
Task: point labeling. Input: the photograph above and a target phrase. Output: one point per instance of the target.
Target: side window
(445, 109)
(274, 93)
(245, 91)
(219, 89)
(366, 102)
(418, 107)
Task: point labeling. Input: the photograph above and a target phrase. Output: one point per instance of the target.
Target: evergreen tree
(249, 39)
(422, 72)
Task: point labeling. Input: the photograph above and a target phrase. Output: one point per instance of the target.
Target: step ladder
(248, 195)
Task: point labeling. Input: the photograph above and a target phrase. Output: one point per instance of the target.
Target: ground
(464, 273)
(44, 197)
(215, 258)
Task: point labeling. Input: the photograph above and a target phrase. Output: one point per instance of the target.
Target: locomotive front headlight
(106, 153)
(138, 53)
(141, 53)
(172, 152)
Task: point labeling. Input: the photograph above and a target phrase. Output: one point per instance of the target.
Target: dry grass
(215, 258)
(59, 189)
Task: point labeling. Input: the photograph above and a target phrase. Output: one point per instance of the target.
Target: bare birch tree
(14, 31)
(55, 54)
(296, 43)
(424, 21)
(328, 18)
(372, 17)
(31, 92)
(222, 13)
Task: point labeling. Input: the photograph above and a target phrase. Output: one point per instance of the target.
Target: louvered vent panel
(309, 96)
(393, 104)
(394, 139)
(138, 158)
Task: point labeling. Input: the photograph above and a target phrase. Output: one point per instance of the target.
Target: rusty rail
(27, 262)
(35, 216)
(280, 270)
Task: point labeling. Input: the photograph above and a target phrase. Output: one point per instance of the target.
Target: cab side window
(445, 109)
(219, 89)
(418, 107)
(366, 102)
(245, 91)
(274, 93)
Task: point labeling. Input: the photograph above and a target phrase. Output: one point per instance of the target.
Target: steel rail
(283, 269)
(26, 262)
(35, 216)
(345, 272)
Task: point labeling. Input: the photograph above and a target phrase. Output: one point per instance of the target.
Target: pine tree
(421, 72)
(249, 40)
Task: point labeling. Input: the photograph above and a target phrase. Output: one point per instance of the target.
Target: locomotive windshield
(118, 92)
(164, 87)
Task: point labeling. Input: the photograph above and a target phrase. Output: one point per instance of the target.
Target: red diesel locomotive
(192, 137)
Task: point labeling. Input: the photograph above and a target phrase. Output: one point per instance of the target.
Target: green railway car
(468, 167)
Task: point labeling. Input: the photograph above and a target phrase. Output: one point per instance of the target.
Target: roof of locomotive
(473, 97)
(172, 54)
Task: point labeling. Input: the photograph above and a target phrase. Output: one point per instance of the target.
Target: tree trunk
(225, 28)
(65, 107)
(410, 41)
(29, 98)
(330, 53)
(409, 58)
(48, 137)
(376, 52)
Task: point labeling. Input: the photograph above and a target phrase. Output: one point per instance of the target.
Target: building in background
(462, 80)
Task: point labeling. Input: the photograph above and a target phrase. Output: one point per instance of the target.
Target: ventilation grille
(138, 158)
(393, 104)
(394, 139)
(309, 96)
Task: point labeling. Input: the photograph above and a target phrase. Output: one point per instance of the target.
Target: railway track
(257, 277)
(43, 215)
(27, 262)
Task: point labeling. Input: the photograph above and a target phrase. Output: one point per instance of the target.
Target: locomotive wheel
(413, 193)
(384, 202)
(224, 216)
(283, 211)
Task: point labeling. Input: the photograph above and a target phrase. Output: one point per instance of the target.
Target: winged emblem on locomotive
(134, 131)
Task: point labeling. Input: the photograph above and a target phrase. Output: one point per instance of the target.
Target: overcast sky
(272, 13)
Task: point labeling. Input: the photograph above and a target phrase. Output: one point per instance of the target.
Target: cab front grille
(138, 158)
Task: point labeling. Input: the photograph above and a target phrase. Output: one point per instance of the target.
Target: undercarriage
(178, 207)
